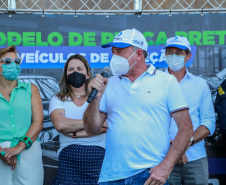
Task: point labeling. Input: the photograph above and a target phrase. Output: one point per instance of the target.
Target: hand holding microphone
(99, 83)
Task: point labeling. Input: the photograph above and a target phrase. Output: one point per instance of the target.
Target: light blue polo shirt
(201, 110)
(138, 116)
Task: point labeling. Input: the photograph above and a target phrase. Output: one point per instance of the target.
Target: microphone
(105, 73)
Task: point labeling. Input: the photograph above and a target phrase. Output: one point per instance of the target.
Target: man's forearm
(178, 146)
(200, 133)
(180, 143)
(92, 121)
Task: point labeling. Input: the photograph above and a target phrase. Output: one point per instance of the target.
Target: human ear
(188, 56)
(139, 54)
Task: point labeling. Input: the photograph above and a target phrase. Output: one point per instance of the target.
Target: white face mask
(175, 63)
(120, 65)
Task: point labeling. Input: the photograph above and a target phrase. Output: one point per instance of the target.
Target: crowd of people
(144, 126)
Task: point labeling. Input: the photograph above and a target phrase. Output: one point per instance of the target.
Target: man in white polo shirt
(138, 104)
(192, 168)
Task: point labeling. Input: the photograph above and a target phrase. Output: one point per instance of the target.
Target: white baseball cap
(126, 38)
(178, 42)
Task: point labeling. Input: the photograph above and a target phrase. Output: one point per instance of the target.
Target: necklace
(79, 95)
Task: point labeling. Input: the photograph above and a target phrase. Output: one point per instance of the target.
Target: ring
(2, 153)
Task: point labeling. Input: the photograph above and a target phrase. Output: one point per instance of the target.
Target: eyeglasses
(8, 61)
(176, 53)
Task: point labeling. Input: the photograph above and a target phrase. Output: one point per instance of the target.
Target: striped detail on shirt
(103, 112)
(179, 109)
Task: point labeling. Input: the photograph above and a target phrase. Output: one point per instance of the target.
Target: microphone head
(106, 71)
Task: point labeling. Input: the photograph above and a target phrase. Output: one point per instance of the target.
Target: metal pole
(137, 5)
(109, 12)
(11, 4)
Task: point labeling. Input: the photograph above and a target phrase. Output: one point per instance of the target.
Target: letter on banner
(163, 56)
(29, 57)
(41, 57)
(104, 57)
(36, 56)
(51, 59)
(62, 60)
(94, 57)
(152, 59)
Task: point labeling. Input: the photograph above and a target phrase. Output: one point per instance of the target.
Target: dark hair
(187, 51)
(65, 89)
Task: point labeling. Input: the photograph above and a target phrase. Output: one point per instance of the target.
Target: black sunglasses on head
(8, 61)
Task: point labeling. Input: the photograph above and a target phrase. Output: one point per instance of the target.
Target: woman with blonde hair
(21, 114)
(80, 156)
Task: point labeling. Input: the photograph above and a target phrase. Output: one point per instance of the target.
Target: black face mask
(76, 79)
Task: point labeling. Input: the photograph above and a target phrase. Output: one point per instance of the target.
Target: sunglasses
(8, 61)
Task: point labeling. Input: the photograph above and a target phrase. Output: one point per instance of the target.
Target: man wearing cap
(192, 168)
(138, 104)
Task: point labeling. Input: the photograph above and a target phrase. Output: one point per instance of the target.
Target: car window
(32, 81)
(49, 87)
(54, 83)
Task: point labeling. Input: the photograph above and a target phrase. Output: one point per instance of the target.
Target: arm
(93, 119)
(161, 172)
(65, 125)
(36, 125)
(201, 133)
(207, 120)
(207, 116)
(183, 136)
(82, 133)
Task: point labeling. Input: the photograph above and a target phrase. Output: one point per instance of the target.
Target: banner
(55, 57)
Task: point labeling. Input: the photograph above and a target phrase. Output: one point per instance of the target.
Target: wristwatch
(192, 140)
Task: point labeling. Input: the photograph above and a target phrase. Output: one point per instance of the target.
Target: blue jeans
(138, 179)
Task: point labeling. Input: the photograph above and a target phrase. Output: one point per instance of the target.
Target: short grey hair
(145, 53)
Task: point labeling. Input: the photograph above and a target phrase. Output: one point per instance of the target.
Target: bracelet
(2, 153)
(74, 135)
(27, 140)
(192, 140)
